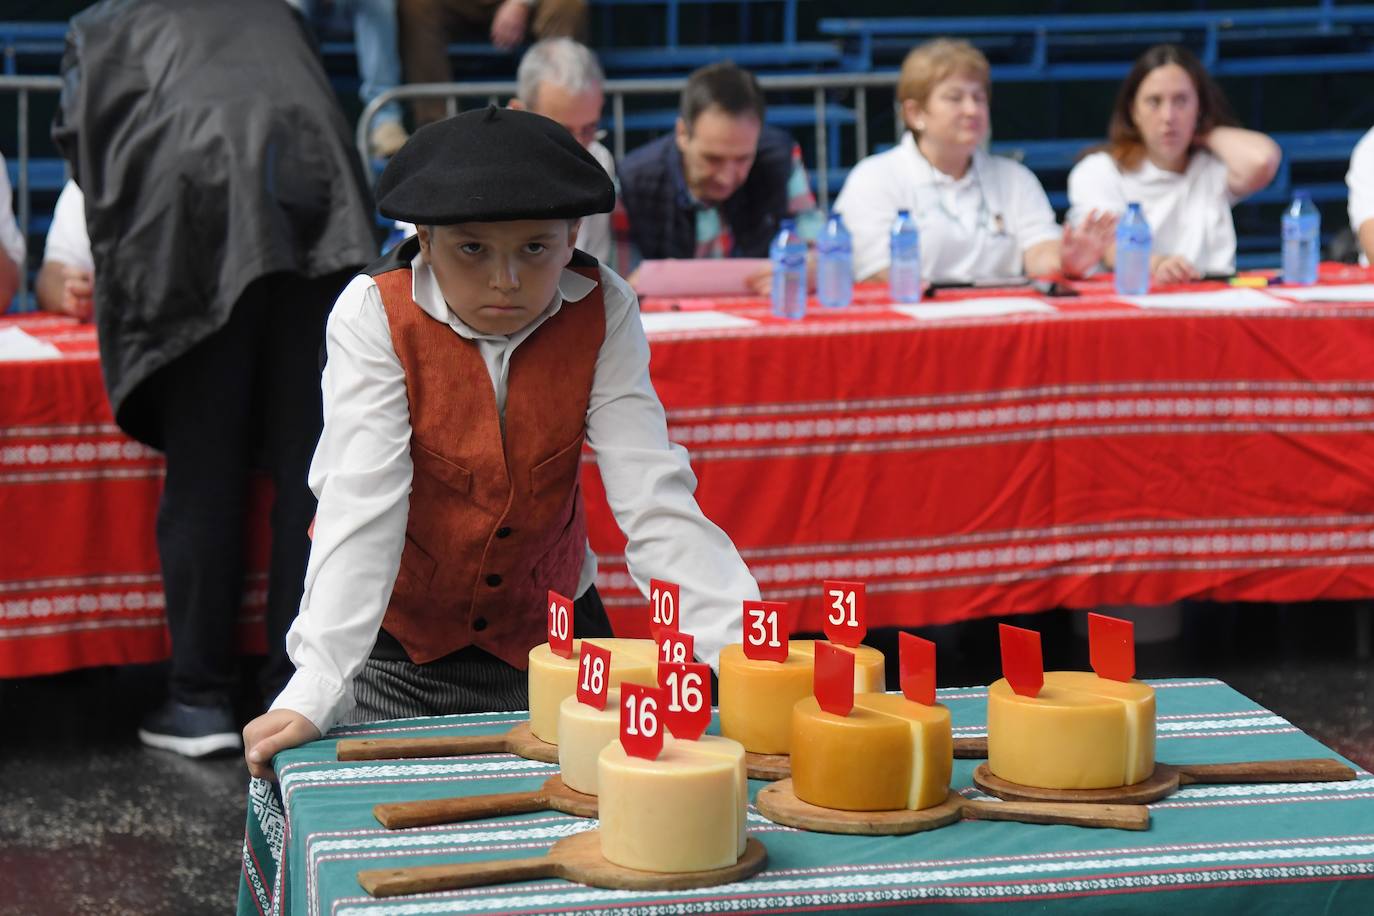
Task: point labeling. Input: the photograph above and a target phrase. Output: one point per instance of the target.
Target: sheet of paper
(16, 344)
(1219, 300)
(972, 308)
(1353, 292)
(660, 322)
(697, 276)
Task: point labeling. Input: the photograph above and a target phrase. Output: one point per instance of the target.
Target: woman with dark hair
(1172, 146)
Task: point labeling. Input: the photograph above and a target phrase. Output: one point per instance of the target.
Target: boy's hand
(272, 732)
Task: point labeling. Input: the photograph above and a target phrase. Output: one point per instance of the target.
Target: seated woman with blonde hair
(1172, 147)
(981, 217)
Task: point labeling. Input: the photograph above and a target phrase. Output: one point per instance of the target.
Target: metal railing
(22, 86)
(618, 90)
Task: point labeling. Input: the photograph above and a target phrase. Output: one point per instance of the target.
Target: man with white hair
(561, 80)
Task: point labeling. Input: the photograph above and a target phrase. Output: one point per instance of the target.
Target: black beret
(489, 165)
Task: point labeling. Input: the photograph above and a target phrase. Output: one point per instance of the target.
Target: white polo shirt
(11, 239)
(974, 227)
(1189, 212)
(68, 242)
(1360, 181)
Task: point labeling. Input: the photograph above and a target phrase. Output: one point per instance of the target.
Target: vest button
(479, 624)
(503, 532)
(493, 580)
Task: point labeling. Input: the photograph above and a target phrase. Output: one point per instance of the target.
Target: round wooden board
(768, 766)
(579, 859)
(1163, 781)
(522, 742)
(568, 801)
(779, 803)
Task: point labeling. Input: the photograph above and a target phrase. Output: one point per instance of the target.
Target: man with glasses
(561, 80)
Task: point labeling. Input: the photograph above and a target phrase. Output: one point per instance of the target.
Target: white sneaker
(192, 731)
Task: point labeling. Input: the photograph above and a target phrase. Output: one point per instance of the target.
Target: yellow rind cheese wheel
(1081, 732)
(887, 754)
(756, 697)
(552, 677)
(684, 811)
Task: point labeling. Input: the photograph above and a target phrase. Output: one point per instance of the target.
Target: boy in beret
(464, 371)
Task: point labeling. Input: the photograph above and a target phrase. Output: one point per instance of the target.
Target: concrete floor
(91, 822)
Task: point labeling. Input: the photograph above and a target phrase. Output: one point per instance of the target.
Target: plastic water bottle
(904, 271)
(788, 254)
(1302, 231)
(1132, 253)
(835, 264)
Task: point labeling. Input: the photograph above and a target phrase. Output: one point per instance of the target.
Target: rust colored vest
(494, 522)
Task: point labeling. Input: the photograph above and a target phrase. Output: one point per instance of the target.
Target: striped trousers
(469, 680)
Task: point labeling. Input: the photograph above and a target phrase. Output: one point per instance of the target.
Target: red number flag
(1022, 664)
(664, 604)
(916, 656)
(833, 680)
(688, 699)
(674, 648)
(767, 628)
(846, 621)
(593, 675)
(641, 722)
(560, 625)
(1111, 647)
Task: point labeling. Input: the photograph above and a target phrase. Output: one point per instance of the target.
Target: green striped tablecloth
(1299, 848)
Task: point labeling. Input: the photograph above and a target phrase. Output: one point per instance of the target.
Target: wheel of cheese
(1081, 732)
(756, 697)
(887, 754)
(553, 677)
(684, 811)
(583, 731)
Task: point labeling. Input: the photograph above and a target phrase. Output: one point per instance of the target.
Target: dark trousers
(426, 27)
(247, 395)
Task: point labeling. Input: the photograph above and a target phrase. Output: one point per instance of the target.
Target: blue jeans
(374, 36)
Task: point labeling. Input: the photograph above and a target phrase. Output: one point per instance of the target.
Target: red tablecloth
(1095, 453)
(79, 574)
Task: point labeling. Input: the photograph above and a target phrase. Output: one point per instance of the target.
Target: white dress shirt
(68, 242)
(974, 227)
(1189, 212)
(1360, 181)
(362, 475)
(11, 239)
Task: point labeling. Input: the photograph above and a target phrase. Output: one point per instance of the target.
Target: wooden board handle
(1121, 817)
(427, 812)
(971, 748)
(419, 879)
(406, 748)
(1317, 769)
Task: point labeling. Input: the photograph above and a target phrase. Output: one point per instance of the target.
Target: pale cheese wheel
(553, 677)
(583, 731)
(683, 811)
